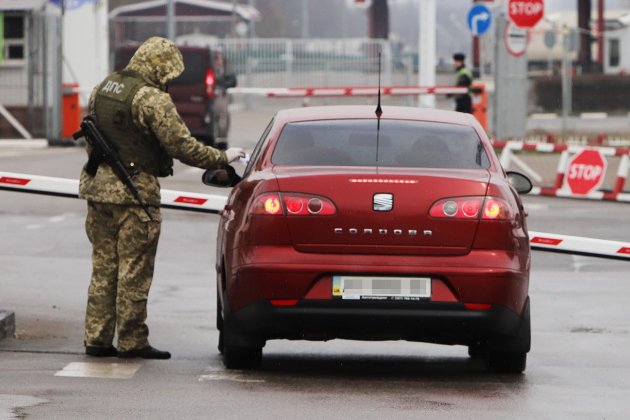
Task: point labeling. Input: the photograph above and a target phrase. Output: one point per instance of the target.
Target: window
(614, 55)
(410, 144)
(13, 40)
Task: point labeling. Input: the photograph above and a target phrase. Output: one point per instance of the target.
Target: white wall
(623, 35)
(86, 46)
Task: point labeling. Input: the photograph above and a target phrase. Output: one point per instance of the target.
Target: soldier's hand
(234, 153)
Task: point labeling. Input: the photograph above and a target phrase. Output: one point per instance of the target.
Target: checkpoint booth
(29, 66)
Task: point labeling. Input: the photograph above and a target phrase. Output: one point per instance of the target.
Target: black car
(200, 93)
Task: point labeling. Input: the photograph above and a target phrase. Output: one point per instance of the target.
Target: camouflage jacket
(158, 61)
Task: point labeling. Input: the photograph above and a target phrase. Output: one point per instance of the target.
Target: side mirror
(520, 182)
(223, 178)
(228, 80)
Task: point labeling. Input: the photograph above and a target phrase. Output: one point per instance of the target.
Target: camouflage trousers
(124, 243)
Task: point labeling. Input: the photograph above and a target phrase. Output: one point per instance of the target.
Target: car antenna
(379, 110)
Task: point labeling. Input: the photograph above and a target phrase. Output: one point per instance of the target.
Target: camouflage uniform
(123, 238)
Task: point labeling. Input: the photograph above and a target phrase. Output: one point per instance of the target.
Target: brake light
(473, 208)
(273, 204)
(210, 80)
(496, 209)
(284, 302)
(477, 306)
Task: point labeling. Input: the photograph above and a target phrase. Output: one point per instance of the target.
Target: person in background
(134, 112)
(464, 78)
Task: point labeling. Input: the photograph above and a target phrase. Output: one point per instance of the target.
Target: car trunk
(406, 229)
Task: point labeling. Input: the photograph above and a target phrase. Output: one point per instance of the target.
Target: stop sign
(585, 172)
(526, 13)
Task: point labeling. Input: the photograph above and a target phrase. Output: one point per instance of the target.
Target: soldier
(133, 111)
(464, 78)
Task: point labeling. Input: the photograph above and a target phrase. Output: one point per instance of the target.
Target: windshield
(401, 143)
(195, 65)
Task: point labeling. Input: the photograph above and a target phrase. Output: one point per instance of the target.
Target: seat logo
(383, 202)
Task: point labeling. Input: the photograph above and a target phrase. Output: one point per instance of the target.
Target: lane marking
(229, 375)
(99, 370)
(61, 217)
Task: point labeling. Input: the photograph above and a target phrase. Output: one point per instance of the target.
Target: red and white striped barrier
(560, 188)
(540, 241)
(322, 92)
(64, 187)
(578, 245)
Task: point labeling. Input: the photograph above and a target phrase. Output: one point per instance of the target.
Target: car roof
(340, 112)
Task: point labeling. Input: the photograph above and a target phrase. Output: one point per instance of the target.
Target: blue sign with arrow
(479, 19)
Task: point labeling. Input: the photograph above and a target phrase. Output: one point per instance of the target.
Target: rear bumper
(441, 323)
(262, 274)
(483, 276)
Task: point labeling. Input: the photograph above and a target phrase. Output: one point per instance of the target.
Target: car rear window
(401, 143)
(195, 65)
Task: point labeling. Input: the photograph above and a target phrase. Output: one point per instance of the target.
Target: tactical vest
(112, 107)
(465, 71)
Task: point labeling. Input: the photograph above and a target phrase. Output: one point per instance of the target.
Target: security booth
(30, 68)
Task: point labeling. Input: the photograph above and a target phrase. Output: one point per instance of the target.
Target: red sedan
(398, 227)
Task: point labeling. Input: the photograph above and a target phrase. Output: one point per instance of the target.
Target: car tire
(511, 355)
(241, 357)
(219, 315)
(219, 323)
(221, 345)
(507, 362)
(478, 351)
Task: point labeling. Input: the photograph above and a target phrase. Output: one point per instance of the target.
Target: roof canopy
(21, 5)
(204, 9)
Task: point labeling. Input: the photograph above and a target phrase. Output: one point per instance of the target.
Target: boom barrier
(209, 203)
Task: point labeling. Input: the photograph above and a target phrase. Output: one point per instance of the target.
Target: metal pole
(426, 50)
(252, 22)
(233, 31)
(566, 85)
(305, 22)
(600, 34)
(55, 134)
(170, 20)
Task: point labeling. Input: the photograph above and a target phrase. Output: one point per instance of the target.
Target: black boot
(145, 353)
(96, 351)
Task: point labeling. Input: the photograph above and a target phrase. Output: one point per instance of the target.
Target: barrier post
(622, 174)
(70, 109)
(480, 104)
(562, 168)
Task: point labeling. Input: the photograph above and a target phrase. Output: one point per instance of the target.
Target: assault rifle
(104, 152)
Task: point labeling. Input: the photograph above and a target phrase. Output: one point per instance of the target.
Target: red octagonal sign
(526, 13)
(586, 171)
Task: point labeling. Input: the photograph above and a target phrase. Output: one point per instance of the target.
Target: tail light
(273, 204)
(210, 81)
(472, 208)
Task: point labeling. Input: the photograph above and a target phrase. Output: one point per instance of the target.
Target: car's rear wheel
(242, 357)
(511, 355)
(478, 351)
(219, 323)
(507, 362)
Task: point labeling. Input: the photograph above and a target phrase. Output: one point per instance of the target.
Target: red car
(346, 225)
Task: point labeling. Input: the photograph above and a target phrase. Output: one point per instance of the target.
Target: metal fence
(280, 62)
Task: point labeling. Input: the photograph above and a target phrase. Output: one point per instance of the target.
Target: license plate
(381, 288)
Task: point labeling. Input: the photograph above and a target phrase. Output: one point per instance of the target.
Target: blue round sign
(479, 19)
